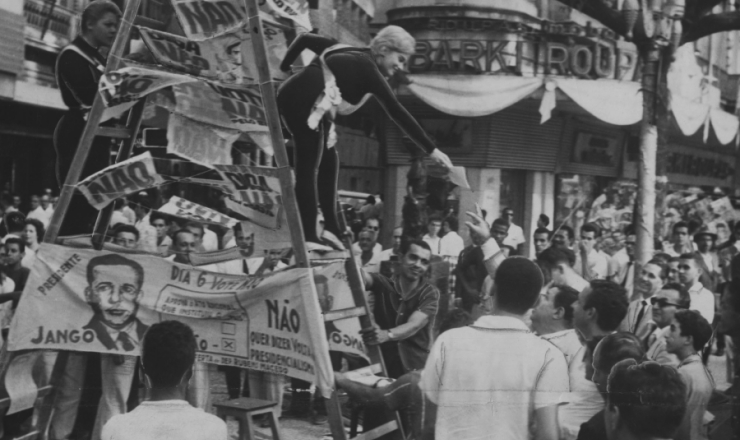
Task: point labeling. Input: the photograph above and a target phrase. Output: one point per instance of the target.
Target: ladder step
(380, 431)
(370, 369)
(114, 132)
(336, 315)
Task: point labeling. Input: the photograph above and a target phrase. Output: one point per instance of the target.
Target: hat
(705, 230)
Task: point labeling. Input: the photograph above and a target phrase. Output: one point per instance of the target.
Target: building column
(395, 191)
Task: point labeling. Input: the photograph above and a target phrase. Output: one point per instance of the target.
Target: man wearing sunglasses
(639, 319)
(669, 300)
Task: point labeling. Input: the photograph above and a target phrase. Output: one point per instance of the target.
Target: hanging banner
(255, 192)
(128, 177)
(238, 108)
(98, 301)
(228, 59)
(201, 143)
(295, 10)
(257, 242)
(129, 84)
(334, 293)
(192, 211)
(201, 19)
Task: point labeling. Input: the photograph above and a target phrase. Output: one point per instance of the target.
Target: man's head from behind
(558, 261)
(689, 333)
(168, 354)
(612, 349)
(114, 289)
(600, 308)
(554, 311)
(645, 400)
(518, 282)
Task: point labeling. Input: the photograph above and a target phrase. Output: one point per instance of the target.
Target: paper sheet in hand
(19, 382)
(458, 177)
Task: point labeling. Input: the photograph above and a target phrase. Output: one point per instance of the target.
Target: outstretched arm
(315, 43)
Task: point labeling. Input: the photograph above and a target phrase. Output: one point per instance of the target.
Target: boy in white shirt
(167, 358)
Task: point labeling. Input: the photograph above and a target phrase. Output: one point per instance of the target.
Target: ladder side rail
(125, 149)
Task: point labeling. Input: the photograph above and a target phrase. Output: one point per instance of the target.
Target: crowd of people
(560, 346)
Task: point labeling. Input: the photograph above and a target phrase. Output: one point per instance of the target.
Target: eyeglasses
(662, 302)
(372, 228)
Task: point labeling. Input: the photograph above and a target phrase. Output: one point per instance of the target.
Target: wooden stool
(243, 409)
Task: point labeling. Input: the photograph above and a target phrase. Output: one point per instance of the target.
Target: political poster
(131, 83)
(128, 177)
(99, 301)
(201, 143)
(295, 10)
(186, 209)
(255, 192)
(201, 19)
(228, 58)
(334, 293)
(235, 107)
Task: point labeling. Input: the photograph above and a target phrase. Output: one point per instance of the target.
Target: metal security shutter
(517, 140)
(397, 153)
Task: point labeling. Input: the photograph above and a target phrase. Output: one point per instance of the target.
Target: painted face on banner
(114, 293)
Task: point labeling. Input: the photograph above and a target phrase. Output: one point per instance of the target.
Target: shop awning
(614, 102)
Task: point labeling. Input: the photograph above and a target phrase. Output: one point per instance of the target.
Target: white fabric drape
(614, 102)
(689, 115)
(725, 125)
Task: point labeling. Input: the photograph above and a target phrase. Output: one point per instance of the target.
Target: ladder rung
(378, 432)
(336, 315)
(114, 132)
(370, 369)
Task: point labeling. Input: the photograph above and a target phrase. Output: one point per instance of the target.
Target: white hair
(393, 38)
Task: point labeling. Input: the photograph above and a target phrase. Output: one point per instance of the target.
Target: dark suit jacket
(594, 429)
(96, 324)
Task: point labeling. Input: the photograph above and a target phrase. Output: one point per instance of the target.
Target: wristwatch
(390, 335)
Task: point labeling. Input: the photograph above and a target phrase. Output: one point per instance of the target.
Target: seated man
(168, 355)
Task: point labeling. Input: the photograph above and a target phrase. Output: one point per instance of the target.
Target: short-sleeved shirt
(488, 379)
(699, 388)
(165, 420)
(391, 310)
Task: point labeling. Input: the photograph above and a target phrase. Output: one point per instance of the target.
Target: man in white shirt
(43, 211)
(670, 299)
(639, 319)
(591, 264)
(529, 382)
(689, 272)
(451, 244)
(552, 319)
(515, 234)
(680, 241)
(147, 232)
(557, 262)
(373, 225)
(432, 237)
(622, 263)
(168, 355)
(386, 254)
(368, 259)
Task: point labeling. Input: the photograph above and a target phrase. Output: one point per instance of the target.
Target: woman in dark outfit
(78, 69)
(359, 74)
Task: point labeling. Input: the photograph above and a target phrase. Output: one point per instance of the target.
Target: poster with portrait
(101, 301)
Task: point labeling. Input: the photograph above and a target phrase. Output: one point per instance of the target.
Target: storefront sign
(268, 323)
(699, 167)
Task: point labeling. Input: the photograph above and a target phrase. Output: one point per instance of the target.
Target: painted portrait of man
(113, 292)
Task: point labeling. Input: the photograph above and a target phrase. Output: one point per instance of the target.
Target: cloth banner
(131, 83)
(255, 193)
(235, 107)
(334, 293)
(201, 19)
(201, 143)
(97, 301)
(128, 177)
(624, 98)
(193, 211)
(472, 96)
(295, 10)
(228, 58)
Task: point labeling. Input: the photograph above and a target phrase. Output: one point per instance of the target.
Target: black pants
(316, 166)
(81, 216)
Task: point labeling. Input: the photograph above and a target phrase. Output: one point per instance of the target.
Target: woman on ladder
(78, 70)
(341, 78)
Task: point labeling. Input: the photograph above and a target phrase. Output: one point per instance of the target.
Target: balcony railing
(60, 23)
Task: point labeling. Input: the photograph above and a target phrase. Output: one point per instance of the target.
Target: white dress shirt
(451, 245)
(702, 300)
(433, 243)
